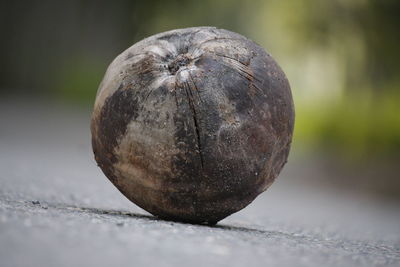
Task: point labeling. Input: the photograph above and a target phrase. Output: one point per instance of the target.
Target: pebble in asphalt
(58, 209)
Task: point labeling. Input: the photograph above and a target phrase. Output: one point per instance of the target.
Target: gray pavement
(58, 209)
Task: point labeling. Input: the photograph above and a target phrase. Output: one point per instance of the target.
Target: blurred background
(340, 56)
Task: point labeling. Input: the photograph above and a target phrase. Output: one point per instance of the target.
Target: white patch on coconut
(133, 146)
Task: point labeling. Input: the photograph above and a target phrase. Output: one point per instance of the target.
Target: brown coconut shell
(193, 124)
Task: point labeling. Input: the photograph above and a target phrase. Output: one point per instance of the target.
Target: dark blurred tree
(42, 41)
(381, 28)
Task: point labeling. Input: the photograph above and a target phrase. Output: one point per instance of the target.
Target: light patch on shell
(161, 48)
(148, 147)
(183, 75)
(161, 80)
(110, 82)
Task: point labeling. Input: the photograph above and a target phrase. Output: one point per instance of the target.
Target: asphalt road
(58, 209)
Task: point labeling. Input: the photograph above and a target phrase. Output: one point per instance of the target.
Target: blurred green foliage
(359, 125)
(341, 56)
(78, 79)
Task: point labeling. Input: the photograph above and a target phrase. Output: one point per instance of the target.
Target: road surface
(58, 209)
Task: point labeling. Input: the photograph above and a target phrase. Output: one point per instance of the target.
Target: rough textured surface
(193, 124)
(55, 210)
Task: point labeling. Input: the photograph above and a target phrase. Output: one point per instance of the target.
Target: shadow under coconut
(127, 214)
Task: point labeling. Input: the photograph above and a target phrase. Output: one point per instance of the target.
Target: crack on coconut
(189, 95)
